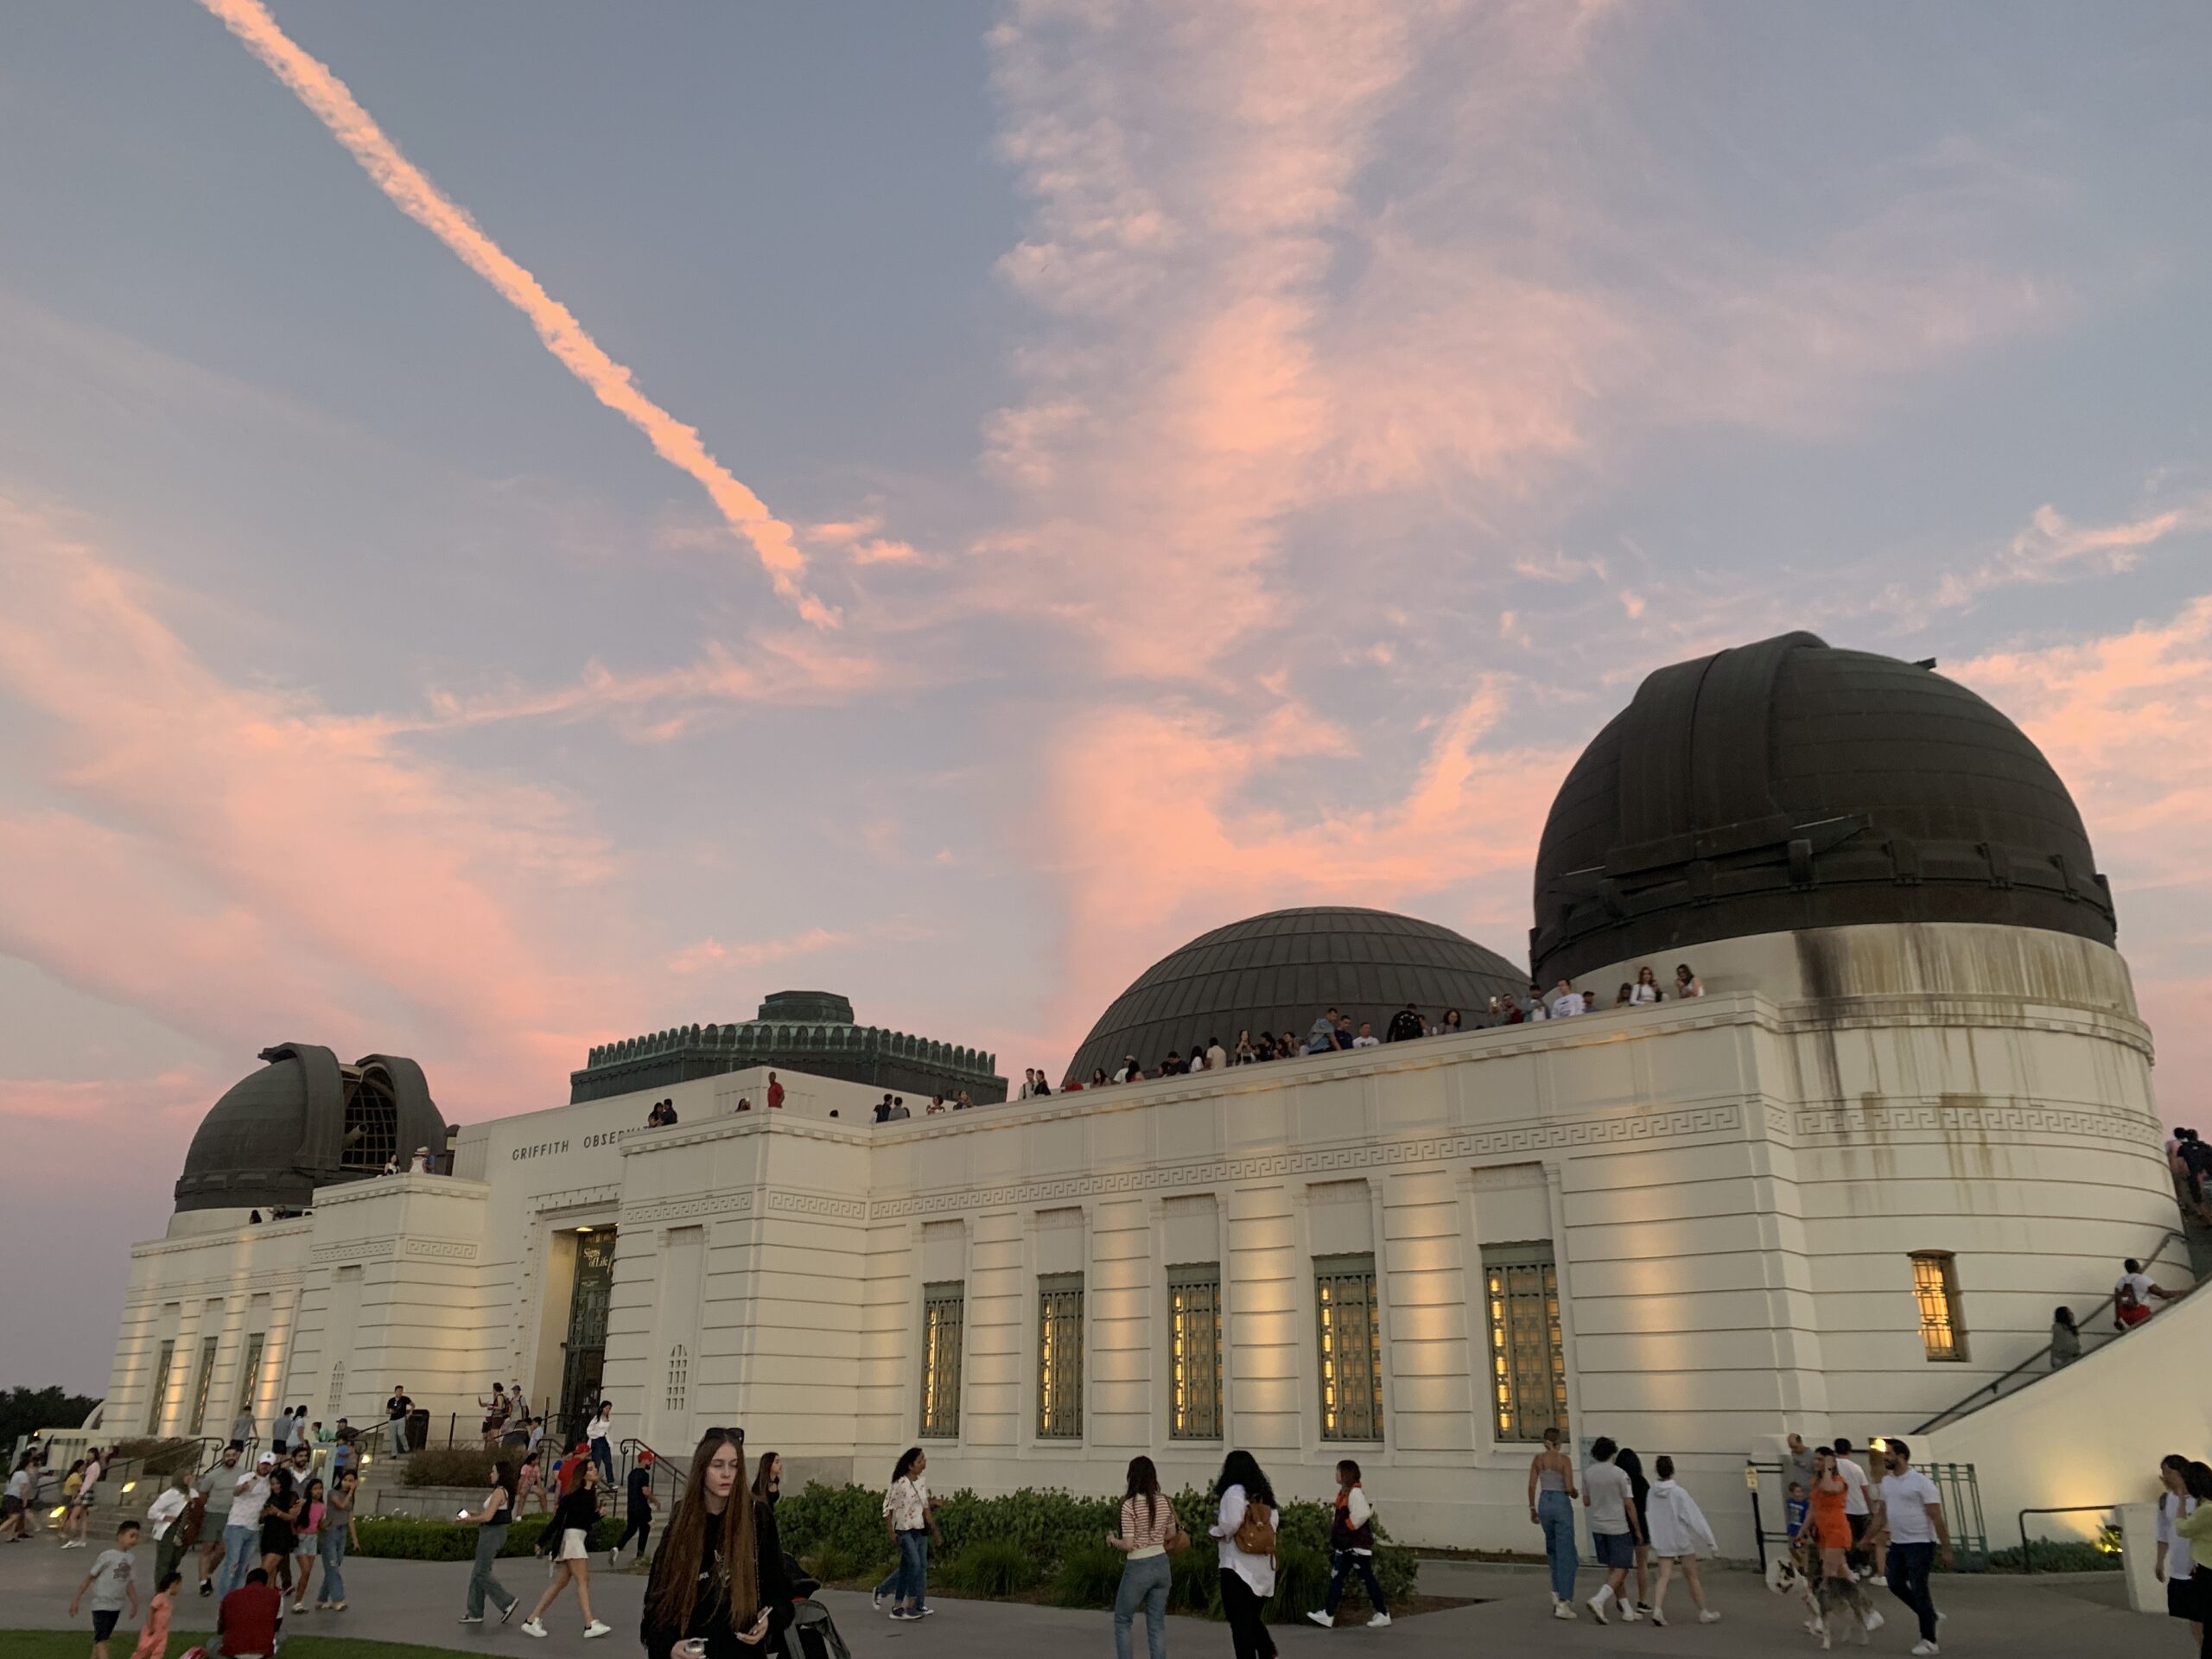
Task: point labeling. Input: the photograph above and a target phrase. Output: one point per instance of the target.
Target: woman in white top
(1646, 988)
(2176, 1563)
(1678, 1530)
(1247, 1579)
(1686, 983)
(1147, 1522)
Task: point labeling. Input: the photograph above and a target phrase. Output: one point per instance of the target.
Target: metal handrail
(2027, 1557)
(1994, 1389)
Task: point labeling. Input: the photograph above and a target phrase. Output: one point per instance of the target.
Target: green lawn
(76, 1644)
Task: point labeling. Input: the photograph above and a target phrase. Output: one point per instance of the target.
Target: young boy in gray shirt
(112, 1585)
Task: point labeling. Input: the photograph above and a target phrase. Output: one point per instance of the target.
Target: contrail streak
(412, 192)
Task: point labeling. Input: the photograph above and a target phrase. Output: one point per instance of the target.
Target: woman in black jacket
(704, 1600)
(774, 1582)
(568, 1537)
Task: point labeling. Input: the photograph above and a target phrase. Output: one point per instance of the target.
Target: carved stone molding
(710, 1203)
(1978, 1120)
(575, 1197)
(445, 1250)
(357, 1249)
(1535, 1137)
(812, 1204)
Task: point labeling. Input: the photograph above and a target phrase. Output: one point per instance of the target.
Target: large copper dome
(1279, 971)
(1788, 784)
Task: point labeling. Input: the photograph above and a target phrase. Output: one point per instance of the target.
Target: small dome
(1280, 971)
(304, 1121)
(1788, 784)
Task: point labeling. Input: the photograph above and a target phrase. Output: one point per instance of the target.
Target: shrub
(1194, 1578)
(1089, 1576)
(449, 1465)
(831, 1563)
(995, 1566)
(402, 1537)
(846, 1519)
(1301, 1582)
(2068, 1555)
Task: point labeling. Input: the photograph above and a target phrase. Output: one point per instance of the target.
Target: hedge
(452, 1466)
(1059, 1534)
(403, 1537)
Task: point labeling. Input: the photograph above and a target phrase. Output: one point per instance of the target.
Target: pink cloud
(413, 193)
(711, 953)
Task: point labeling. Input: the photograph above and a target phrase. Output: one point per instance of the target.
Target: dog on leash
(1833, 1603)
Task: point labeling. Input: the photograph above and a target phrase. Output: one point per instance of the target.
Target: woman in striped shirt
(1147, 1522)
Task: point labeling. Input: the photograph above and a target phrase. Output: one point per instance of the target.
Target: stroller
(813, 1633)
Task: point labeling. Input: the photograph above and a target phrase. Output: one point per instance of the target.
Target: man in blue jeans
(241, 1530)
(1910, 1509)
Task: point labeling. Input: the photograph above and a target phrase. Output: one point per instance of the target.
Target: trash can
(418, 1429)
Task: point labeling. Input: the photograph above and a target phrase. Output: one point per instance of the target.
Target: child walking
(154, 1638)
(1352, 1549)
(111, 1584)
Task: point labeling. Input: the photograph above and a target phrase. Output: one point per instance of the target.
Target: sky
(527, 523)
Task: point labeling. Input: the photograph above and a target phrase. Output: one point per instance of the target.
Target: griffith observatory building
(1839, 1193)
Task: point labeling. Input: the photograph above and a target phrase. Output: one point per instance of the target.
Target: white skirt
(572, 1546)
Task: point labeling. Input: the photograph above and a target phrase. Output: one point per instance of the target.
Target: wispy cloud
(414, 193)
(712, 953)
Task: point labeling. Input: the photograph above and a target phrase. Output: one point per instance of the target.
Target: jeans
(1342, 1567)
(1144, 1584)
(481, 1585)
(1910, 1566)
(241, 1554)
(909, 1580)
(603, 1455)
(1247, 1629)
(333, 1561)
(396, 1435)
(1555, 1512)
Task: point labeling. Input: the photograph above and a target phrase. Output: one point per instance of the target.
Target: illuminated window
(1059, 1356)
(943, 1308)
(1935, 1288)
(679, 1377)
(197, 1423)
(1352, 1347)
(337, 1388)
(250, 1373)
(1527, 1356)
(1194, 1350)
(161, 1394)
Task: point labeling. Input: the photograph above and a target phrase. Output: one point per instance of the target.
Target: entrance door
(587, 1345)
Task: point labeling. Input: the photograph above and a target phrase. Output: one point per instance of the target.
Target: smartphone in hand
(462, 1514)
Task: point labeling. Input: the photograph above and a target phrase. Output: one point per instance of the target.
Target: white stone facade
(1732, 1190)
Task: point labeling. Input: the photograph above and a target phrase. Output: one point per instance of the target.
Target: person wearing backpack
(1245, 1529)
(1351, 1548)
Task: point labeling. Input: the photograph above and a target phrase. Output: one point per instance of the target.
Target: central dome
(1280, 971)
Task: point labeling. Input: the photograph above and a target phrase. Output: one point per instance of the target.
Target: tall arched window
(679, 1378)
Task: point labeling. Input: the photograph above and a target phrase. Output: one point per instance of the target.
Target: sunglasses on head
(737, 1434)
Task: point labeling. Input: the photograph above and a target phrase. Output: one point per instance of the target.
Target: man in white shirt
(2130, 1297)
(2177, 1557)
(242, 1526)
(1567, 1002)
(1909, 1510)
(1367, 1038)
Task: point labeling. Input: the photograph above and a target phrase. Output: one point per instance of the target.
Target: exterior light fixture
(583, 1230)
(128, 1487)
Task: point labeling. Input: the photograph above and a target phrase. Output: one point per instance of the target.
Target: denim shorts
(1613, 1548)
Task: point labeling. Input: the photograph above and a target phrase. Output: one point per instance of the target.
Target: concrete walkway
(420, 1602)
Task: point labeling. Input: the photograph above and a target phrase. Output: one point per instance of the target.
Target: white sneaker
(1709, 1616)
(472, 1618)
(1596, 1603)
(1873, 1621)
(1562, 1610)
(1379, 1622)
(1630, 1616)
(1326, 1621)
(596, 1628)
(531, 1627)
(1657, 1617)
(1926, 1647)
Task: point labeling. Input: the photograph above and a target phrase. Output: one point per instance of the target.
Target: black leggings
(1248, 1631)
(639, 1521)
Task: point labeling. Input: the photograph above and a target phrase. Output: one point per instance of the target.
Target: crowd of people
(1334, 1029)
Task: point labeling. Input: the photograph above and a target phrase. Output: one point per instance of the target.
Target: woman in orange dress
(1831, 1530)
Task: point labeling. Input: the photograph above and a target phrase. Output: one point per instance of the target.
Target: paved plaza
(2062, 1617)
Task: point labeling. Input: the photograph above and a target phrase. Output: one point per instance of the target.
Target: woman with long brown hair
(1148, 1525)
(703, 1596)
(772, 1582)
